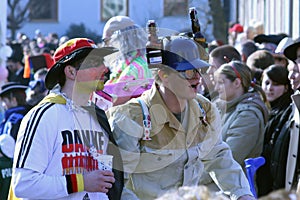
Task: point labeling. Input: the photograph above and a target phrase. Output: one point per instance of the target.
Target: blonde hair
(259, 27)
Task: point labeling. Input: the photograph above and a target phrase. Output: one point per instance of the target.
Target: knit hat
(116, 23)
(74, 49)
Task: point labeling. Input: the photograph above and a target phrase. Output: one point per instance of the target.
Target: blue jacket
(12, 120)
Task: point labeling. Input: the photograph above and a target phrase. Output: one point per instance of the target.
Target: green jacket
(243, 126)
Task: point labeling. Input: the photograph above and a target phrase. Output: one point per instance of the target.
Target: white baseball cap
(116, 23)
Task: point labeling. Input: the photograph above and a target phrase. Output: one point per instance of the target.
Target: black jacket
(116, 191)
(271, 176)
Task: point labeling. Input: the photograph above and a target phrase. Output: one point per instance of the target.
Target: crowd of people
(186, 136)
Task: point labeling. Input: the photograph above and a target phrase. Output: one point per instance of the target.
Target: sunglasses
(192, 73)
(189, 74)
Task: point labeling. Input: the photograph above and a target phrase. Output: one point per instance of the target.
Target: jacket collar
(54, 98)
(162, 113)
(17, 109)
(296, 99)
(249, 98)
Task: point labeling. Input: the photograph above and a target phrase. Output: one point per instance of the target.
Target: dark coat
(271, 176)
(116, 191)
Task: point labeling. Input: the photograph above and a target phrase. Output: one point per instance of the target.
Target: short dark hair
(248, 48)
(260, 59)
(278, 74)
(19, 94)
(76, 63)
(225, 54)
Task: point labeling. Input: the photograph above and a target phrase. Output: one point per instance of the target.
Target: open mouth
(194, 86)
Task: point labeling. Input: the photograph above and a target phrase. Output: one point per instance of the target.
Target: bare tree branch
(19, 13)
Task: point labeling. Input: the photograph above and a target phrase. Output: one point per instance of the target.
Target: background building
(57, 15)
(278, 16)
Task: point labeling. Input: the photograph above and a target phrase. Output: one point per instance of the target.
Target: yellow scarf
(53, 98)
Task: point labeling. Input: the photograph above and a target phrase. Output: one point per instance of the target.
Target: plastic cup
(105, 162)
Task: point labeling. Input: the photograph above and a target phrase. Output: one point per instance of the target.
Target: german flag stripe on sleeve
(74, 183)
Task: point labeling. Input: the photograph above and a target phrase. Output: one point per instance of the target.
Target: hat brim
(262, 38)
(179, 63)
(52, 77)
(195, 64)
(13, 87)
(291, 51)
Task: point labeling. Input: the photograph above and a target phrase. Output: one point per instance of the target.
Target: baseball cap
(237, 28)
(291, 51)
(76, 48)
(7, 87)
(181, 53)
(116, 23)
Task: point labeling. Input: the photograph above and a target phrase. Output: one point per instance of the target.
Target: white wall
(296, 19)
(88, 12)
(275, 14)
(69, 12)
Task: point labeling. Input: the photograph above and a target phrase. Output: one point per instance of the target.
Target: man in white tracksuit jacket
(53, 158)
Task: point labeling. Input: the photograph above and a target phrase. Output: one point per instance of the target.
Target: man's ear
(70, 72)
(162, 75)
